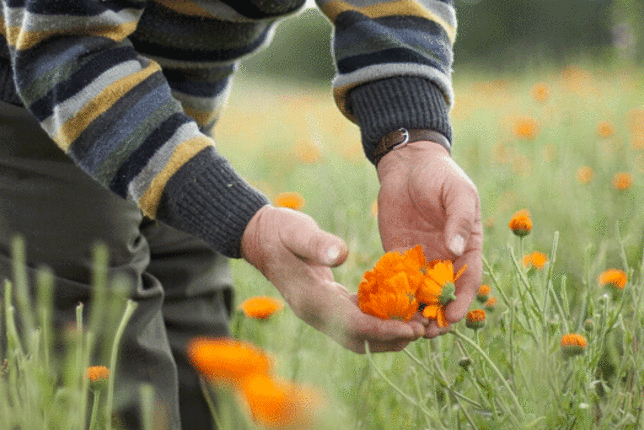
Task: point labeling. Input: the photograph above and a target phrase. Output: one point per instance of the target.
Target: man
(105, 124)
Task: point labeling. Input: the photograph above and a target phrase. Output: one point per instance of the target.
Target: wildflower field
(551, 342)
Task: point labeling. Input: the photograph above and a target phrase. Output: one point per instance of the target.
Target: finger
(383, 335)
(433, 330)
(302, 236)
(466, 287)
(462, 212)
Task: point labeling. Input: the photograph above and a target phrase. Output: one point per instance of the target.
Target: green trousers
(182, 287)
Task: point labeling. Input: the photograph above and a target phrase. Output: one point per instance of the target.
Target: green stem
(129, 310)
(494, 368)
(93, 423)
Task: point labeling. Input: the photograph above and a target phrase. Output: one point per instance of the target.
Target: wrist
(409, 156)
(403, 137)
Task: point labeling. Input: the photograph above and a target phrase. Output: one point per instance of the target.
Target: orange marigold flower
(291, 200)
(622, 181)
(437, 290)
(525, 128)
(227, 360)
(475, 319)
(307, 151)
(277, 403)
(389, 289)
(490, 305)
(521, 223)
(540, 92)
(584, 175)
(605, 129)
(97, 374)
(613, 278)
(261, 307)
(573, 344)
(483, 294)
(536, 259)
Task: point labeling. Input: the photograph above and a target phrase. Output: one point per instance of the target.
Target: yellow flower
(291, 200)
(536, 259)
(584, 175)
(227, 360)
(389, 289)
(475, 319)
(573, 344)
(622, 181)
(613, 278)
(260, 307)
(521, 223)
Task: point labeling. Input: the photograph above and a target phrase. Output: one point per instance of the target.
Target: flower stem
(494, 368)
(93, 423)
(129, 310)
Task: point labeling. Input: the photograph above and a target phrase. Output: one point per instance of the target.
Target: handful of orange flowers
(400, 284)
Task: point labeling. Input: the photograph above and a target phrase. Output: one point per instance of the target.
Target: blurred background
(508, 35)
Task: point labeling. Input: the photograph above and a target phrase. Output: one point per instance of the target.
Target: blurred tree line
(491, 33)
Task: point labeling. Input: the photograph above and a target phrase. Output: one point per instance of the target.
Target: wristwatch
(402, 136)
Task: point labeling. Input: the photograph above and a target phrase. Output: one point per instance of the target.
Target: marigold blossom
(613, 278)
(388, 290)
(483, 293)
(490, 305)
(277, 403)
(291, 200)
(261, 307)
(227, 360)
(536, 259)
(622, 181)
(308, 151)
(521, 223)
(584, 175)
(573, 344)
(540, 92)
(605, 129)
(525, 128)
(438, 289)
(475, 319)
(97, 374)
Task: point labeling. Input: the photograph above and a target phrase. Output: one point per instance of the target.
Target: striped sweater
(130, 89)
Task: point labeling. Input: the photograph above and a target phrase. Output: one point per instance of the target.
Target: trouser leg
(198, 295)
(61, 213)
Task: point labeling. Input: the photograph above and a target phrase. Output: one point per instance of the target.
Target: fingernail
(457, 245)
(332, 254)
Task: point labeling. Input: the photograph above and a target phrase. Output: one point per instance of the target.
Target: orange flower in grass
(540, 92)
(537, 260)
(260, 307)
(277, 403)
(525, 128)
(622, 181)
(584, 175)
(475, 319)
(613, 278)
(605, 129)
(521, 223)
(291, 200)
(483, 293)
(227, 360)
(573, 344)
(389, 289)
(98, 376)
(438, 289)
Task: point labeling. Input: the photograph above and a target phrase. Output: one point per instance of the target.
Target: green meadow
(567, 144)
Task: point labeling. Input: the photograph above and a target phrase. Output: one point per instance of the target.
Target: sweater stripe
(75, 125)
(149, 202)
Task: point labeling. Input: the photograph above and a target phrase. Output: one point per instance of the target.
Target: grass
(511, 373)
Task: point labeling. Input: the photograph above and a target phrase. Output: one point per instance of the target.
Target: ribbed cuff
(410, 102)
(208, 199)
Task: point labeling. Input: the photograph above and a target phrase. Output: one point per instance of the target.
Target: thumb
(461, 208)
(306, 240)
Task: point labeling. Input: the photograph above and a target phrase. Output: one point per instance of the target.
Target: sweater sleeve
(113, 112)
(393, 63)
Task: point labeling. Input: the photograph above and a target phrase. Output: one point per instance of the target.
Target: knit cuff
(208, 199)
(383, 106)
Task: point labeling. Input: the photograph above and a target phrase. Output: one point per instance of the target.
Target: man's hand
(425, 198)
(296, 256)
